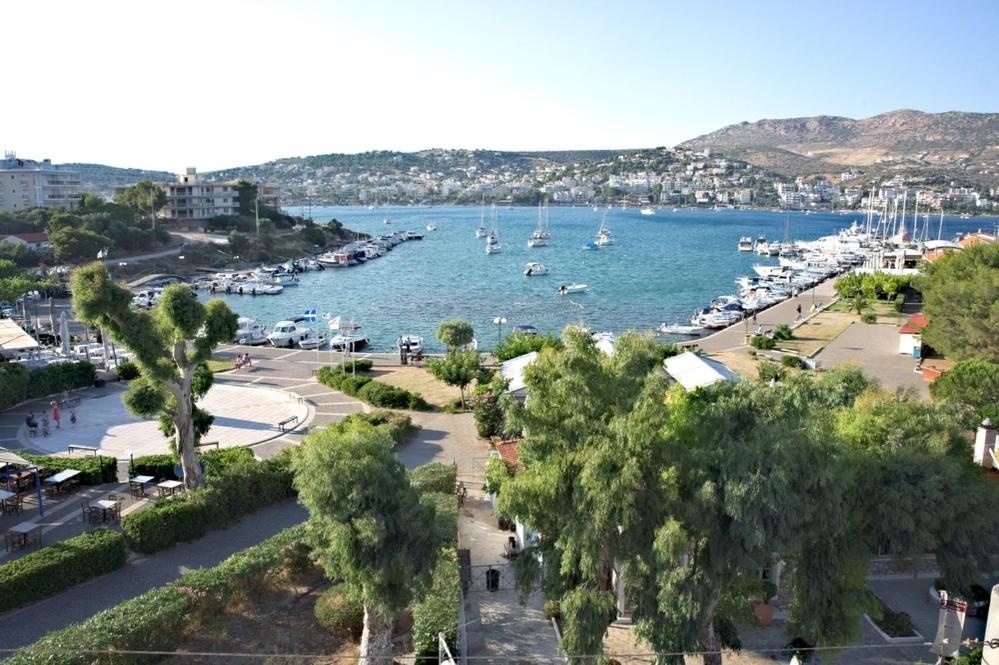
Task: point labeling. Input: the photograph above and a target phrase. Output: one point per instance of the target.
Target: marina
(661, 269)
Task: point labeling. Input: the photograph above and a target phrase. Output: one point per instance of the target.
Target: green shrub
(18, 384)
(770, 371)
(127, 371)
(340, 612)
(437, 612)
(899, 303)
(453, 406)
(518, 343)
(96, 469)
(158, 619)
(163, 466)
(793, 362)
(228, 495)
(869, 317)
(446, 516)
(399, 426)
(552, 610)
(488, 413)
(497, 472)
(55, 568)
(434, 477)
(373, 392)
(221, 459)
(361, 365)
(762, 342)
(894, 624)
(782, 332)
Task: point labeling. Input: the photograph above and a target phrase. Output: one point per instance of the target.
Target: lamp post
(499, 321)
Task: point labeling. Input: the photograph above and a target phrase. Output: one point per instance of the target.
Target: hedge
(437, 612)
(340, 612)
(96, 469)
(445, 516)
(237, 491)
(57, 567)
(371, 391)
(157, 620)
(434, 477)
(162, 466)
(399, 426)
(17, 383)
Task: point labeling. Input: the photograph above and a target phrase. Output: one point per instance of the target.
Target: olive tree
(171, 343)
(368, 524)
(455, 334)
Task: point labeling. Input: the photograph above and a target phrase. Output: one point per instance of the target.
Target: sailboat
(481, 231)
(492, 240)
(604, 235)
(540, 236)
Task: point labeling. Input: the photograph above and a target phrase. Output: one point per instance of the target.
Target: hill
(954, 144)
(103, 179)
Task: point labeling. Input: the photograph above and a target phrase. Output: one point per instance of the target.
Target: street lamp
(499, 321)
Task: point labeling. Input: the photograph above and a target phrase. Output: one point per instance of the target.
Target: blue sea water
(663, 267)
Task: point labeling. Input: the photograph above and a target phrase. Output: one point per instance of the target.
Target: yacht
(604, 235)
(349, 341)
(648, 211)
(540, 236)
(253, 288)
(288, 333)
(681, 329)
(761, 241)
(249, 332)
(745, 244)
(481, 231)
(571, 288)
(533, 269)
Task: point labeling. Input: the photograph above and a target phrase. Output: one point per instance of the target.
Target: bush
(445, 516)
(899, 303)
(770, 371)
(163, 466)
(340, 612)
(869, 317)
(390, 397)
(552, 610)
(127, 371)
(228, 495)
(497, 473)
(96, 469)
(762, 342)
(18, 384)
(399, 426)
(518, 343)
(782, 332)
(361, 365)
(434, 477)
(488, 414)
(794, 362)
(437, 612)
(57, 567)
(892, 623)
(158, 619)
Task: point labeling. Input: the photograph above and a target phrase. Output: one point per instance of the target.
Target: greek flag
(310, 314)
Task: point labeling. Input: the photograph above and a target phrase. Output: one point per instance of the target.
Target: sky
(216, 84)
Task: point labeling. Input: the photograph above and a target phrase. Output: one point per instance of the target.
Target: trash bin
(492, 579)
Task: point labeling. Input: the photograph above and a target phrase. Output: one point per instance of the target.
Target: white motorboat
(386, 221)
(249, 332)
(745, 244)
(572, 288)
(681, 329)
(348, 342)
(604, 235)
(414, 343)
(431, 227)
(288, 333)
(254, 288)
(533, 269)
(648, 211)
(761, 241)
(314, 342)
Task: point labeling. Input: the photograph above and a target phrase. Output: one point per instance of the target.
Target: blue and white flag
(310, 314)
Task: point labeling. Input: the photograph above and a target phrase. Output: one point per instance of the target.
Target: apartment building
(191, 198)
(25, 183)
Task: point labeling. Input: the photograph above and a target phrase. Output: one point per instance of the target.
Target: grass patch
(418, 380)
(217, 365)
(894, 624)
(813, 335)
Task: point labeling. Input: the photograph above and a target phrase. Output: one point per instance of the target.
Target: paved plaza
(874, 346)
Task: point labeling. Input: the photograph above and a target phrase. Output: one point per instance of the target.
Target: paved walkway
(25, 625)
(875, 347)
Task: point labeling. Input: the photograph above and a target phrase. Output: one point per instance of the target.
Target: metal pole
(38, 489)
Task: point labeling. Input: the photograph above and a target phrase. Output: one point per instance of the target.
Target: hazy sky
(214, 84)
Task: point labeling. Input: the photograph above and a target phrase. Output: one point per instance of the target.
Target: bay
(663, 267)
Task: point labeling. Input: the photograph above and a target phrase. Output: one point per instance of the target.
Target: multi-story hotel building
(191, 198)
(25, 183)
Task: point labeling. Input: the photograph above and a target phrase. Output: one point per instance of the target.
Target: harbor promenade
(734, 337)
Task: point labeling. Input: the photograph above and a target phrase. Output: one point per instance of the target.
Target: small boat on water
(681, 329)
(534, 268)
(348, 342)
(386, 221)
(249, 332)
(761, 243)
(525, 329)
(604, 235)
(648, 211)
(481, 231)
(316, 342)
(591, 247)
(745, 244)
(492, 240)
(431, 227)
(572, 288)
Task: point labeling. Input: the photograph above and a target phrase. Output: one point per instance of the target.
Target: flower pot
(764, 613)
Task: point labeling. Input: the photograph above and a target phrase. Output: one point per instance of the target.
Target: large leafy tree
(586, 473)
(961, 297)
(455, 334)
(71, 244)
(171, 344)
(972, 384)
(456, 368)
(145, 197)
(368, 524)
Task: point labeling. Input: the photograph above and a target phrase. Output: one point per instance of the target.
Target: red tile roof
(27, 237)
(914, 325)
(508, 451)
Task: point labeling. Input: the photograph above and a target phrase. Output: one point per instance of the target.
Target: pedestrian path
(23, 626)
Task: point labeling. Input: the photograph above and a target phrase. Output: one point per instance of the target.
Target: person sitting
(239, 362)
(246, 360)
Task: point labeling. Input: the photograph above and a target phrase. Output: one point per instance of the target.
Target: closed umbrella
(64, 332)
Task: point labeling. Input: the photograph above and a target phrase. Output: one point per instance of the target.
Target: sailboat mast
(915, 218)
(940, 228)
(905, 199)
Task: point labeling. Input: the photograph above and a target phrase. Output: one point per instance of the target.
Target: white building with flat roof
(191, 198)
(25, 183)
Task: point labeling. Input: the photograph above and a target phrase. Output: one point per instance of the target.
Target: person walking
(799, 312)
(56, 416)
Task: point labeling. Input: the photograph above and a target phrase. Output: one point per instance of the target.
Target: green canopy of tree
(144, 197)
(171, 343)
(961, 299)
(518, 343)
(456, 368)
(455, 334)
(368, 524)
(239, 243)
(73, 245)
(974, 385)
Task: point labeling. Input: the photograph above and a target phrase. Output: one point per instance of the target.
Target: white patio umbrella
(64, 332)
(10, 457)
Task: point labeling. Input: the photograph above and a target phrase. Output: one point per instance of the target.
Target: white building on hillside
(25, 183)
(191, 198)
